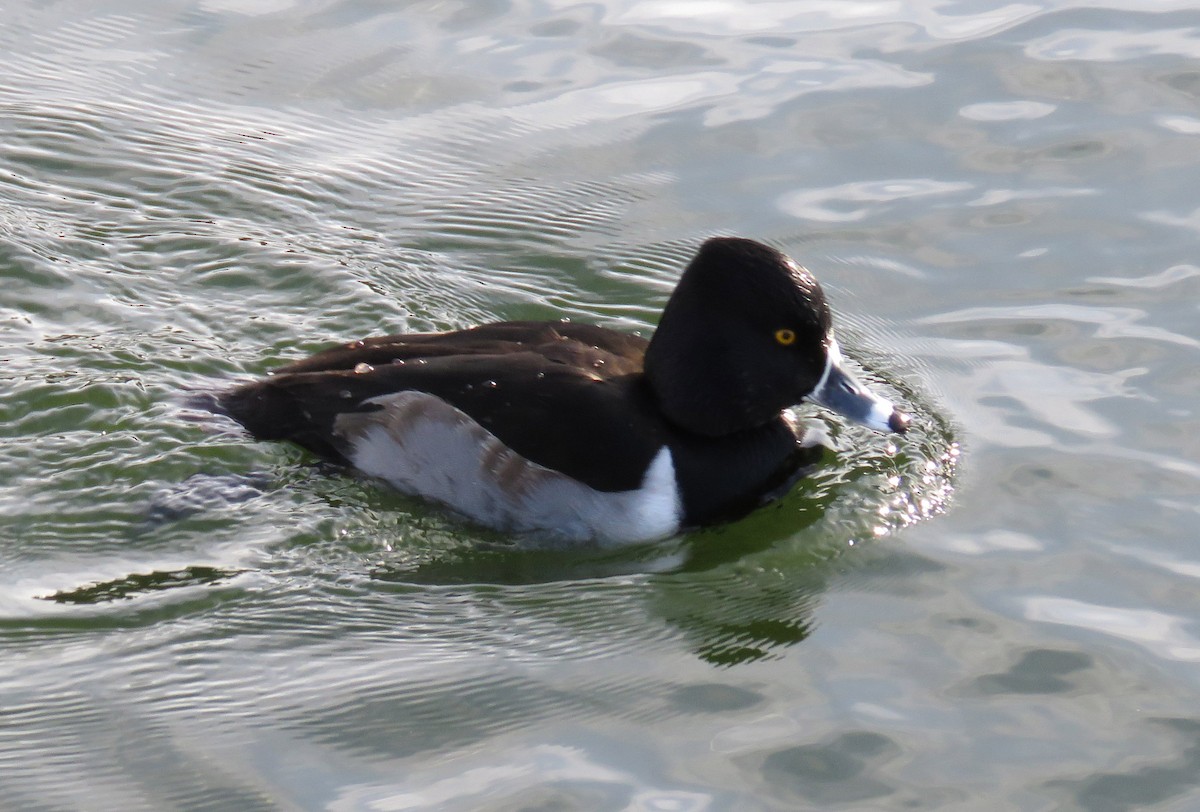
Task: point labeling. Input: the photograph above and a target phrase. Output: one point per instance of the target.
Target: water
(999, 199)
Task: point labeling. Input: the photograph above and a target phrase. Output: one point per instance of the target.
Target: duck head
(746, 334)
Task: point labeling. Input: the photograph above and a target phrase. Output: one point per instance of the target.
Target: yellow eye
(785, 337)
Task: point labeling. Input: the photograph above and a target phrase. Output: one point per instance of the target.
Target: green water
(997, 611)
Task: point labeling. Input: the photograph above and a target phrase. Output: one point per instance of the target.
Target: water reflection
(138, 584)
(1003, 196)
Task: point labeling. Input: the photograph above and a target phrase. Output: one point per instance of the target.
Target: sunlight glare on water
(996, 610)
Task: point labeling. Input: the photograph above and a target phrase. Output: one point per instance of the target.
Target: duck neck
(699, 386)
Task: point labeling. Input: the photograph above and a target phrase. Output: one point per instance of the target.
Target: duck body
(578, 431)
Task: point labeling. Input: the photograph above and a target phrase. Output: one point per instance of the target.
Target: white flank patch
(655, 506)
(424, 446)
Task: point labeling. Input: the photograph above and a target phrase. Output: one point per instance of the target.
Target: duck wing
(567, 397)
(489, 339)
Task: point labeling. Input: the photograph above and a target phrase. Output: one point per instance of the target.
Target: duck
(582, 433)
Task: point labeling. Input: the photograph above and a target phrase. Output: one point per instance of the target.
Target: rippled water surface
(1000, 610)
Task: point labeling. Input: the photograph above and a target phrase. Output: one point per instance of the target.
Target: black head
(746, 334)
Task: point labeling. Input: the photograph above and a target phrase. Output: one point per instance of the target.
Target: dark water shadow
(139, 584)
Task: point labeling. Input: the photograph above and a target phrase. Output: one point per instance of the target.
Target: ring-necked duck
(585, 432)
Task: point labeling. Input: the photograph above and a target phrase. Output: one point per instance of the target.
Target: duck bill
(845, 394)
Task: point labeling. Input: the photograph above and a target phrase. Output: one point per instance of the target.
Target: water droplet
(363, 368)
(541, 375)
(490, 384)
